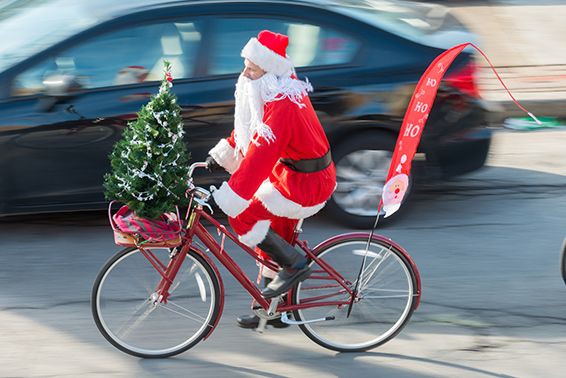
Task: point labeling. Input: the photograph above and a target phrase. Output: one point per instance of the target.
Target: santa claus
(279, 159)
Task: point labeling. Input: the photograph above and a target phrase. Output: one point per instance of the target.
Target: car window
(309, 45)
(127, 56)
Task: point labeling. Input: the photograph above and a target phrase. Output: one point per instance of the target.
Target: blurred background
(484, 221)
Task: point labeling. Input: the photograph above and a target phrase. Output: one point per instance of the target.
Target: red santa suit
(266, 189)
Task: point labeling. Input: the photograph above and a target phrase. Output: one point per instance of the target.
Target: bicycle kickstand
(270, 312)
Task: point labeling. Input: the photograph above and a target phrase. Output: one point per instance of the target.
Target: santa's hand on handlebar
(212, 165)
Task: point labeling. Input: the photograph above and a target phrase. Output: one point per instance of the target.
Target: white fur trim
(277, 204)
(267, 59)
(229, 201)
(225, 155)
(256, 235)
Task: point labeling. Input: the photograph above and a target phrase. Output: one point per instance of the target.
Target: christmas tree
(150, 162)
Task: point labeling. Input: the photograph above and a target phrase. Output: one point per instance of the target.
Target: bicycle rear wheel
(128, 313)
(387, 291)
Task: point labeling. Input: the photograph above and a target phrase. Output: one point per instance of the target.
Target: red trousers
(252, 225)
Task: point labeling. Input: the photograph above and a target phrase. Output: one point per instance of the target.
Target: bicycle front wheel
(128, 312)
(384, 304)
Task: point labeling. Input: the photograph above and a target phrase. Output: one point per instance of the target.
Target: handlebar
(201, 195)
(200, 164)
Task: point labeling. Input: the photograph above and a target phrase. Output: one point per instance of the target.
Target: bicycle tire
(342, 334)
(563, 261)
(109, 320)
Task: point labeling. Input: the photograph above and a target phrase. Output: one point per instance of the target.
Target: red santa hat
(268, 51)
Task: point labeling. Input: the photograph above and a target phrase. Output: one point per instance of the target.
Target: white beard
(251, 97)
(248, 114)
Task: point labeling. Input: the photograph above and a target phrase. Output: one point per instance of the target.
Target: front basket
(141, 232)
(130, 240)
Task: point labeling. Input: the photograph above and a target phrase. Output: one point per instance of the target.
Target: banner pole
(355, 292)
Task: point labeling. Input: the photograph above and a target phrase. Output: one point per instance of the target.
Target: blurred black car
(72, 74)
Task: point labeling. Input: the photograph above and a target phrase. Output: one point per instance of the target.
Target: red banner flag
(413, 124)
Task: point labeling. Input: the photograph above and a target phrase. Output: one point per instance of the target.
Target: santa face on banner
(394, 192)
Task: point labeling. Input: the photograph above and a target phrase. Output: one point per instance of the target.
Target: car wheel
(362, 163)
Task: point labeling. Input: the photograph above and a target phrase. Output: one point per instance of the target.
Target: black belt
(308, 165)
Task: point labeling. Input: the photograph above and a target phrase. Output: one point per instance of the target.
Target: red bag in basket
(166, 227)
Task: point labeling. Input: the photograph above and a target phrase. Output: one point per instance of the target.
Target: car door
(55, 148)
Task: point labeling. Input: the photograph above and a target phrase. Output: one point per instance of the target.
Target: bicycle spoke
(186, 309)
(366, 279)
(390, 290)
(123, 332)
(188, 271)
(385, 296)
(195, 317)
(136, 278)
(404, 295)
(376, 258)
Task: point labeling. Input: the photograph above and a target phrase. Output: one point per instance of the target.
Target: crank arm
(270, 312)
(285, 319)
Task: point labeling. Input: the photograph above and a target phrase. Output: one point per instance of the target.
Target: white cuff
(229, 201)
(279, 205)
(225, 155)
(256, 235)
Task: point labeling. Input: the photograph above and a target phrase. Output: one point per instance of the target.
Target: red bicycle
(155, 301)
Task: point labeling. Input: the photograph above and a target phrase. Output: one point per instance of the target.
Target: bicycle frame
(196, 228)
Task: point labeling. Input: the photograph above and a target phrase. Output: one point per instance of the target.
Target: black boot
(294, 264)
(252, 321)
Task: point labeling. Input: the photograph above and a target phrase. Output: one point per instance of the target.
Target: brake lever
(204, 204)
